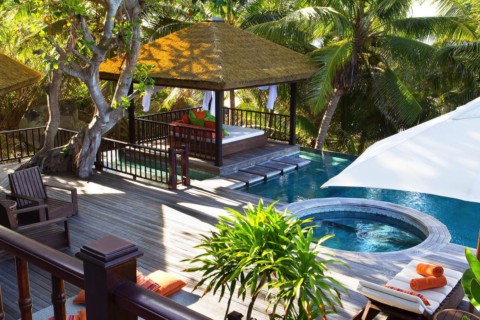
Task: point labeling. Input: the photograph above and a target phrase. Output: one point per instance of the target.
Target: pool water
(462, 218)
(367, 235)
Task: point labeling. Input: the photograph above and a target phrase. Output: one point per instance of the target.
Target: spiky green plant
(471, 279)
(265, 249)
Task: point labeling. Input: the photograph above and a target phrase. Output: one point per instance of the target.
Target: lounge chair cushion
(405, 301)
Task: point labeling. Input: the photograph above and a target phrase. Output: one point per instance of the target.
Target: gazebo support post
(218, 127)
(293, 113)
(131, 119)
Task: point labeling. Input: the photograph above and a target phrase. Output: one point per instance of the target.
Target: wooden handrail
(51, 260)
(107, 261)
(149, 305)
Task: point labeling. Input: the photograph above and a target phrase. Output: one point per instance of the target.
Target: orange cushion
(210, 124)
(416, 294)
(200, 114)
(80, 298)
(426, 269)
(168, 284)
(185, 118)
(82, 315)
(418, 284)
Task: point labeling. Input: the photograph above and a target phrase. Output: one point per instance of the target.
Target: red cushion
(200, 114)
(185, 118)
(210, 124)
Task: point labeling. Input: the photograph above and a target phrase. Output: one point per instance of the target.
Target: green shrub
(471, 279)
(265, 249)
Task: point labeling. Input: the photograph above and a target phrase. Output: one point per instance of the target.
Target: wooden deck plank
(166, 225)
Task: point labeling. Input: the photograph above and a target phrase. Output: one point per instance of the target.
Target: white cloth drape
(148, 96)
(272, 95)
(209, 102)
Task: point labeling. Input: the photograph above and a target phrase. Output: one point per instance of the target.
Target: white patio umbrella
(440, 156)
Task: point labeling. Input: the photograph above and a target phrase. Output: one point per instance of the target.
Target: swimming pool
(461, 217)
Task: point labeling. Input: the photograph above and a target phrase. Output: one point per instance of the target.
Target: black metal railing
(168, 116)
(144, 162)
(276, 126)
(153, 162)
(151, 133)
(16, 145)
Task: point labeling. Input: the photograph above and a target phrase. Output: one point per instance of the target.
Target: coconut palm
(363, 45)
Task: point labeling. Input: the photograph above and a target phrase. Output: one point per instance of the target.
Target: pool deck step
(262, 171)
(282, 166)
(299, 162)
(246, 177)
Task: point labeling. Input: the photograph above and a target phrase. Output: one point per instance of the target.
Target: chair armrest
(36, 225)
(38, 201)
(73, 194)
(32, 208)
(56, 186)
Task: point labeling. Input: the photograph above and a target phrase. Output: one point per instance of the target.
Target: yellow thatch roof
(15, 75)
(216, 56)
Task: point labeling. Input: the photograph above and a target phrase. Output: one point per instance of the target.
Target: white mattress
(239, 133)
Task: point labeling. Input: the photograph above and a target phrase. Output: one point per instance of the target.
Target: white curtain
(148, 96)
(272, 95)
(209, 102)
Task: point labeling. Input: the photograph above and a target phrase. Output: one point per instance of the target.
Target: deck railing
(159, 165)
(158, 131)
(152, 162)
(104, 268)
(276, 126)
(16, 145)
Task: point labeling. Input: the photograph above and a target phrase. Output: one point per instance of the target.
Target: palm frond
(306, 125)
(408, 49)
(388, 10)
(455, 28)
(333, 59)
(394, 100)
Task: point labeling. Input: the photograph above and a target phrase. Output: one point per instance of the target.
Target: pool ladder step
(268, 169)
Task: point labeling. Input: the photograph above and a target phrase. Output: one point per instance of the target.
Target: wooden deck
(166, 225)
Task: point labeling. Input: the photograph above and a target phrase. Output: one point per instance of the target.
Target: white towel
(272, 95)
(148, 96)
(206, 105)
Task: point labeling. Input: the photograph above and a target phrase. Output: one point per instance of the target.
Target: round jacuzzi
(363, 225)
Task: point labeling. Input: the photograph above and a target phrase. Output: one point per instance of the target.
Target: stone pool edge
(438, 234)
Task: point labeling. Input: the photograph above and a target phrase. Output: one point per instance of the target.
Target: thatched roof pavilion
(15, 75)
(217, 56)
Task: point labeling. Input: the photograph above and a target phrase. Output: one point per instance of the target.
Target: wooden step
(246, 177)
(262, 171)
(282, 166)
(299, 162)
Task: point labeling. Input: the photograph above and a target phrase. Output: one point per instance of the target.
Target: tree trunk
(327, 119)
(88, 143)
(53, 104)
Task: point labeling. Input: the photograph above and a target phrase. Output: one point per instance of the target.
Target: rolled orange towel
(418, 284)
(426, 270)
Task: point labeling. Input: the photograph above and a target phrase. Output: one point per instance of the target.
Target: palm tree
(364, 44)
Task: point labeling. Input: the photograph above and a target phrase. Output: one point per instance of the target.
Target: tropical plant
(471, 279)
(265, 249)
(363, 46)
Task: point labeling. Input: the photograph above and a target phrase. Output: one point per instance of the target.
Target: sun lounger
(407, 306)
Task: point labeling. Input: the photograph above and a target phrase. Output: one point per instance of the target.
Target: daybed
(407, 306)
(202, 139)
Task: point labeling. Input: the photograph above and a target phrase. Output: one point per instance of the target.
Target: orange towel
(418, 284)
(426, 270)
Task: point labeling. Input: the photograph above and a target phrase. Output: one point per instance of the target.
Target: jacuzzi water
(367, 232)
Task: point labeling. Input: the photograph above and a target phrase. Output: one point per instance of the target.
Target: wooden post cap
(108, 251)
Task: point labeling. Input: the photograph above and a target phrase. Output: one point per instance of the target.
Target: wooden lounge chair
(407, 306)
(48, 232)
(28, 189)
